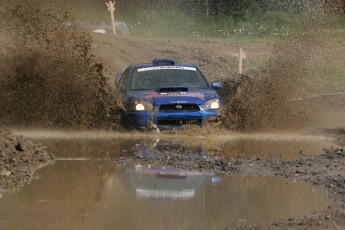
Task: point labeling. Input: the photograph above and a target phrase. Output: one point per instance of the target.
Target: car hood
(157, 98)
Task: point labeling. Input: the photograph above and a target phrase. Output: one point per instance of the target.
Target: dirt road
(217, 60)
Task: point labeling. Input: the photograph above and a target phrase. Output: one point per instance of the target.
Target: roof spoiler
(164, 61)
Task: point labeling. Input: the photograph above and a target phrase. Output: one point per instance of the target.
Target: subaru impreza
(165, 94)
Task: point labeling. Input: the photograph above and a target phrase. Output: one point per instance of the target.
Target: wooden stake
(111, 9)
(242, 56)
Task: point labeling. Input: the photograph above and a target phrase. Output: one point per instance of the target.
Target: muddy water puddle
(284, 147)
(86, 190)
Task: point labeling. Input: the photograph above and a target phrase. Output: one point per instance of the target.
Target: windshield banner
(166, 67)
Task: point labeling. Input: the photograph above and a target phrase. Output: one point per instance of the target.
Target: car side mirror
(217, 85)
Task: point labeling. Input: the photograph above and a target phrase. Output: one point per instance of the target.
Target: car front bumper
(171, 120)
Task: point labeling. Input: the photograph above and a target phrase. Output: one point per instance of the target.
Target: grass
(256, 64)
(178, 24)
(250, 63)
(90, 11)
(327, 71)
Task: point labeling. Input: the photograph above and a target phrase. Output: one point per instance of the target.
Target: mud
(19, 161)
(325, 170)
(63, 76)
(100, 195)
(49, 77)
(265, 99)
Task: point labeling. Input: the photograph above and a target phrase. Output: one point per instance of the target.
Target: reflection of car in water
(167, 94)
(164, 183)
(154, 148)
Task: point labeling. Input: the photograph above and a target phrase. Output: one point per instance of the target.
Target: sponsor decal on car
(176, 94)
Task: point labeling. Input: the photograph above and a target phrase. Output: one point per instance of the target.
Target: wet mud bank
(323, 170)
(19, 161)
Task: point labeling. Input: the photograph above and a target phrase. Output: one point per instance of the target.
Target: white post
(242, 56)
(111, 9)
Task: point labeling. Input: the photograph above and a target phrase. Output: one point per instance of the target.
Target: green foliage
(271, 23)
(278, 18)
(168, 23)
(225, 23)
(241, 9)
(253, 18)
(178, 24)
(222, 27)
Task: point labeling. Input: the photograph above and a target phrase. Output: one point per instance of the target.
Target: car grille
(162, 121)
(179, 107)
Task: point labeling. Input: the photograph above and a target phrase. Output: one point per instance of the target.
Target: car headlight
(213, 104)
(142, 106)
(139, 107)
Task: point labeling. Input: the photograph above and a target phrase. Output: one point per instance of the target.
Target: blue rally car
(165, 94)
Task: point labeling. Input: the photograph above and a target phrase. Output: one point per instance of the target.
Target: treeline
(223, 18)
(218, 8)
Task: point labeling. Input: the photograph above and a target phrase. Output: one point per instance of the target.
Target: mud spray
(268, 99)
(49, 77)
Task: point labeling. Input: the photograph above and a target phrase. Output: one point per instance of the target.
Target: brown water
(105, 145)
(84, 190)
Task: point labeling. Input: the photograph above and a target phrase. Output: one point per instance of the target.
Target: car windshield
(167, 76)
